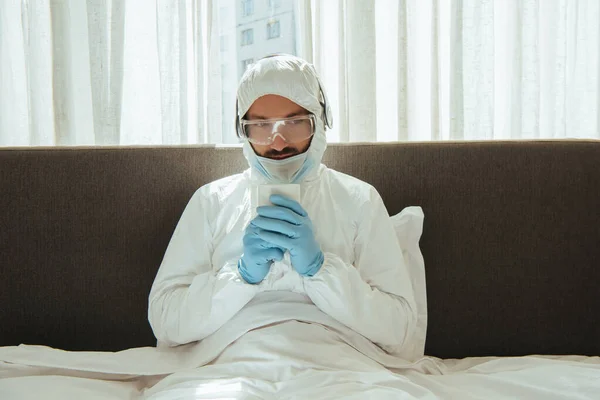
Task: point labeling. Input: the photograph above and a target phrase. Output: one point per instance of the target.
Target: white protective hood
(297, 80)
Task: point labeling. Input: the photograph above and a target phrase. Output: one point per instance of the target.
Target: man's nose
(278, 143)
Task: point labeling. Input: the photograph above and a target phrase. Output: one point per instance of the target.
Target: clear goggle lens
(292, 130)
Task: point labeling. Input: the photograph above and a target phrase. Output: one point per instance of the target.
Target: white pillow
(409, 227)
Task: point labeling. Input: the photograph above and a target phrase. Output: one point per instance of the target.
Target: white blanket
(494, 378)
(285, 359)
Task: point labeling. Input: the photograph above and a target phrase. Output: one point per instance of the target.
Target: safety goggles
(291, 130)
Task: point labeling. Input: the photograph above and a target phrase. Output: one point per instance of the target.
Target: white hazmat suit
(362, 290)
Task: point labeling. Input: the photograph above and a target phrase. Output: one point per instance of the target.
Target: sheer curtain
(459, 69)
(95, 72)
(99, 72)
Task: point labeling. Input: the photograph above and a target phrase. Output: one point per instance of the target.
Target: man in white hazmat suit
(345, 265)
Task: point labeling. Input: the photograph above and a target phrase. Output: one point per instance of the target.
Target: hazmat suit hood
(297, 80)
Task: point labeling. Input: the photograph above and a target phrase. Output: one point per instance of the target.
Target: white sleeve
(374, 296)
(190, 299)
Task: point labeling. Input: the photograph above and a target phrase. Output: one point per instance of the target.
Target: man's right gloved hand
(258, 256)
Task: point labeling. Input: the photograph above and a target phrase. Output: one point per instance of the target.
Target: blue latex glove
(287, 225)
(258, 256)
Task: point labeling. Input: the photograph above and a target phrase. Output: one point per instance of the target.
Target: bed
(511, 261)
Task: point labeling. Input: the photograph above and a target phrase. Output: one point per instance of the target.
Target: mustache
(285, 152)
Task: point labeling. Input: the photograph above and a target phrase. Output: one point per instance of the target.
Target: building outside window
(273, 30)
(274, 3)
(247, 37)
(246, 63)
(247, 7)
(223, 15)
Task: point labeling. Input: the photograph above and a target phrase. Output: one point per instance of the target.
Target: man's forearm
(339, 290)
(185, 312)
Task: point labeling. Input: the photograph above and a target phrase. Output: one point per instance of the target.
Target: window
(247, 7)
(247, 37)
(273, 30)
(223, 43)
(246, 63)
(274, 3)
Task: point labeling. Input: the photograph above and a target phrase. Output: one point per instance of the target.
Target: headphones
(324, 102)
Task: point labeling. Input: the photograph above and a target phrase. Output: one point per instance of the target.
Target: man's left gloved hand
(287, 225)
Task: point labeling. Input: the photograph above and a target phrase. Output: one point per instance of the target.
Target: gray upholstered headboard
(511, 238)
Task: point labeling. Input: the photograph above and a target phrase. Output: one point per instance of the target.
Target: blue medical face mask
(288, 170)
(293, 169)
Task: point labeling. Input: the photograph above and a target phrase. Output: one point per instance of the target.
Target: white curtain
(108, 72)
(459, 69)
(99, 72)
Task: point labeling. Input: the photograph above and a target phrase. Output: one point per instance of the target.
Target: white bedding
(265, 352)
(294, 360)
(508, 378)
